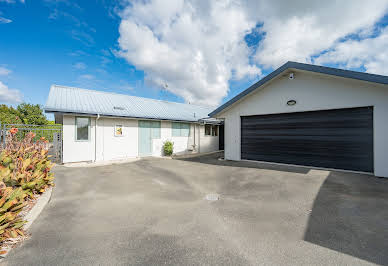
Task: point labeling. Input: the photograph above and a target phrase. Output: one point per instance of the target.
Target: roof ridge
(121, 94)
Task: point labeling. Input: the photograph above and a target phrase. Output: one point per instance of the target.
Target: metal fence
(52, 133)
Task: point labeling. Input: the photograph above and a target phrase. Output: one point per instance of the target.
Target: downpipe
(95, 138)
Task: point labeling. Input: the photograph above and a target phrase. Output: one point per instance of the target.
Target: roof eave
(379, 79)
(68, 112)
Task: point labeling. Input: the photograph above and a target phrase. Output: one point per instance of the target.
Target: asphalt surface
(154, 212)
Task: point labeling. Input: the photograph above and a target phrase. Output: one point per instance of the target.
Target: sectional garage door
(340, 139)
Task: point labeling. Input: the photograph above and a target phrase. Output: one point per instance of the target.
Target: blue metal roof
(64, 99)
(306, 67)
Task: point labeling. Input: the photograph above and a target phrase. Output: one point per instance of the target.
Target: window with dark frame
(214, 130)
(82, 128)
(208, 130)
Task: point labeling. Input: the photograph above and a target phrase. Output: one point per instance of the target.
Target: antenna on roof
(163, 91)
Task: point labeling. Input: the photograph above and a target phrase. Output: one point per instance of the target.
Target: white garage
(311, 115)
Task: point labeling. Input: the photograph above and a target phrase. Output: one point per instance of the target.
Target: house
(100, 126)
(310, 115)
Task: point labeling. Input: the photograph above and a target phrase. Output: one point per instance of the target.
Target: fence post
(4, 132)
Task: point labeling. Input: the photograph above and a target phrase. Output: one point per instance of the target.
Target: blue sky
(198, 56)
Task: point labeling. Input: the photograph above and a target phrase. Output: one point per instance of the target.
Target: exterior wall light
(291, 102)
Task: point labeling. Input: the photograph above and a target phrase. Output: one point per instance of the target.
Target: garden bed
(25, 178)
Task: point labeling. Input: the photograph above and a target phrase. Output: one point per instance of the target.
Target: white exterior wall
(181, 144)
(76, 151)
(111, 147)
(312, 92)
(208, 143)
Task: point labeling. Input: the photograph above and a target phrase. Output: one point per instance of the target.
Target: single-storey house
(100, 126)
(311, 115)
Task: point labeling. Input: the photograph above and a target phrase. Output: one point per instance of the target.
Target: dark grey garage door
(340, 139)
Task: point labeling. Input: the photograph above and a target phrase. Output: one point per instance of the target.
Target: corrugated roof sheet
(75, 100)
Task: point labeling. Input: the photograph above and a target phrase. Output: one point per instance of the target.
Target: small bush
(25, 170)
(168, 148)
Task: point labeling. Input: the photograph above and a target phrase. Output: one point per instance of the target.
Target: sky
(199, 52)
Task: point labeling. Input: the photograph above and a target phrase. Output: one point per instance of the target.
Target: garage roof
(64, 99)
(306, 67)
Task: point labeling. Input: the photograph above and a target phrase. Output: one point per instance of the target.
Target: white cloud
(298, 30)
(197, 47)
(11, 1)
(4, 71)
(9, 95)
(5, 20)
(371, 53)
(79, 65)
(87, 76)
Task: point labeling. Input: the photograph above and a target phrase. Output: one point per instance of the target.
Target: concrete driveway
(153, 211)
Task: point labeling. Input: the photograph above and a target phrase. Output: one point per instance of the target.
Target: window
(208, 130)
(211, 130)
(82, 128)
(180, 129)
(214, 130)
(155, 129)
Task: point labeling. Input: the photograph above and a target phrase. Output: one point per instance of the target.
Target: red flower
(13, 130)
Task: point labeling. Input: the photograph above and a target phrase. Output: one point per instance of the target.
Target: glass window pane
(155, 125)
(207, 130)
(214, 131)
(185, 129)
(82, 124)
(176, 129)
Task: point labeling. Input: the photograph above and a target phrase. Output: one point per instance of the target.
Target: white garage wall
(312, 92)
(111, 147)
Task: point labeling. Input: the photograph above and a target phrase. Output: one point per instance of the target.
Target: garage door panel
(340, 139)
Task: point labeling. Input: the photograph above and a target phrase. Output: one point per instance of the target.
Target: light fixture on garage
(291, 102)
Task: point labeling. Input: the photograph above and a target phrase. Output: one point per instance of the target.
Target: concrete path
(154, 212)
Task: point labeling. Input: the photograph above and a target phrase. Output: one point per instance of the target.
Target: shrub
(168, 148)
(11, 203)
(25, 164)
(24, 172)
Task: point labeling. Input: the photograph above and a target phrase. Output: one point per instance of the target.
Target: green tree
(9, 115)
(25, 113)
(32, 114)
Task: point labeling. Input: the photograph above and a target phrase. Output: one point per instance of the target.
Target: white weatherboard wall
(76, 151)
(111, 147)
(208, 143)
(312, 92)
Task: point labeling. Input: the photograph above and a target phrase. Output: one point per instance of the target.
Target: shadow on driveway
(213, 159)
(350, 215)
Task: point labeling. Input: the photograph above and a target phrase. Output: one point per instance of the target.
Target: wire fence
(51, 133)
